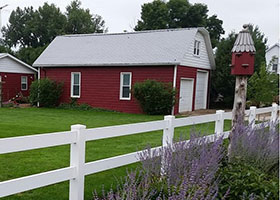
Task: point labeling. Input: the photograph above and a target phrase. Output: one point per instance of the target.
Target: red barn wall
(188, 72)
(100, 86)
(12, 84)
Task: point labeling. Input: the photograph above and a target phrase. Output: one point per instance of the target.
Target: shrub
(263, 87)
(155, 98)
(190, 173)
(256, 147)
(199, 169)
(247, 182)
(45, 91)
(73, 105)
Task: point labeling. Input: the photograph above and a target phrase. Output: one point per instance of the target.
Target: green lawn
(19, 122)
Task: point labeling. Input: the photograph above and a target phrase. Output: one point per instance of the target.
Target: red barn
(16, 76)
(100, 69)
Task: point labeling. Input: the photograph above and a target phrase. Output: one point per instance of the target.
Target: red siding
(12, 84)
(238, 59)
(100, 86)
(188, 72)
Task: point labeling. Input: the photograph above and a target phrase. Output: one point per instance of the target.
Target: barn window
(196, 47)
(24, 83)
(125, 86)
(76, 84)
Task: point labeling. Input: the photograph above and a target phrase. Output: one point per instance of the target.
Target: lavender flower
(256, 146)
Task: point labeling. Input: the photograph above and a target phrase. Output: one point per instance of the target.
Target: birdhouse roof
(244, 42)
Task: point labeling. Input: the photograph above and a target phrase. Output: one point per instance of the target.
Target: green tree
(154, 15)
(223, 83)
(179, 14)
(32, 30)
(80, 20)
(263, 87)
(20, 29)
(29, 54)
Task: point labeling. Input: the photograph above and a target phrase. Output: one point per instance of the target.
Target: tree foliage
(223, 83)
(80, 20)
(160, 14)
(263, 87)
(32, 30)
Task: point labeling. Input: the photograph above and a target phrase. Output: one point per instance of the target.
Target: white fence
(78, 136)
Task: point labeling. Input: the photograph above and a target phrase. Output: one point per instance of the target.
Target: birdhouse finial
(245, 27)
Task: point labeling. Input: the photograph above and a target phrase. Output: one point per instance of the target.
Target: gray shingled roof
(244, 41)
(160, 47)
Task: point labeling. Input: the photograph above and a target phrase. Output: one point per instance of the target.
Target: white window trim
(196, 47)
(24, 83)
(121, 85)
(72, 84)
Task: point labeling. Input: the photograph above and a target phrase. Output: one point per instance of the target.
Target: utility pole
(1, 18)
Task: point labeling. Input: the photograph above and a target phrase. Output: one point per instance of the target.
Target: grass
(28, 121)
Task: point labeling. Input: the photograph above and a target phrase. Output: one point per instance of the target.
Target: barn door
(186, 95)
(201, 90)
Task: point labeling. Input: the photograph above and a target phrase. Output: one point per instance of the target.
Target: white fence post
(168, 132)
(273, 115)
(167, 139)
(77, 159)
(252, 116)
(219, 124)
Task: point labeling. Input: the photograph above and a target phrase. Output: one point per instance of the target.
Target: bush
(73, 105)
(256, 147)
(45, 91)
(200, 169)
(263, 87)
(245, 181)
(155, 98)
(190, 173)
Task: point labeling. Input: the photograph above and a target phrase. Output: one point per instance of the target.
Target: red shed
(16, 76)
(100, 69)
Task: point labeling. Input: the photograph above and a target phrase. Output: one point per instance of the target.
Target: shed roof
(5, 55)
(244, 41)
(157, 47)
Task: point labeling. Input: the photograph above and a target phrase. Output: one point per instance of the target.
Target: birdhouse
(243, 54)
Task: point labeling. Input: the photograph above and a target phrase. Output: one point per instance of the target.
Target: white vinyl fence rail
(79, 135)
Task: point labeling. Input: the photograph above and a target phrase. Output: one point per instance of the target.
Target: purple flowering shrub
(252, 169)
(190, 172)
(256, 147)
(200, 169)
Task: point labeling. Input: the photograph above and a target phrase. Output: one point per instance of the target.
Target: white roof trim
(209, 48)
(17, 60)
(277, 44)
(109, 64)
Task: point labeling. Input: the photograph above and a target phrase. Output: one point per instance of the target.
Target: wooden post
(238, 112)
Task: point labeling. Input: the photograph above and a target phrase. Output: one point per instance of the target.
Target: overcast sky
(122, 15)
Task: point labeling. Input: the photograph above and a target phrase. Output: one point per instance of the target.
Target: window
(275, 64)
(196, 47)
(274, 67)
(76, 84)
(24, 83)
(125, 86)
